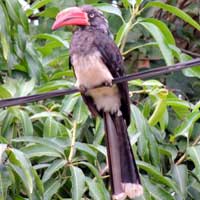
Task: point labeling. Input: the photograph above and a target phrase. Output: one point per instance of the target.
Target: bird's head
(85, 17)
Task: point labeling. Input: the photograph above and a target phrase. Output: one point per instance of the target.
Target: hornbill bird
(96, 60)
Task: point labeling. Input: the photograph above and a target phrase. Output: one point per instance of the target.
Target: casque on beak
(71, 16)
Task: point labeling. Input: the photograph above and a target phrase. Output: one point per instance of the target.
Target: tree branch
(183, 157)
(139, 75)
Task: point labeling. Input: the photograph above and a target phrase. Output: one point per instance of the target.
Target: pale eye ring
(91, 15)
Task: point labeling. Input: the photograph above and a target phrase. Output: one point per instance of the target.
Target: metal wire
(139, 75)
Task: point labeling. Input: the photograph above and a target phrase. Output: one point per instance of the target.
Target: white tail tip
(132, 190)
(120, 196)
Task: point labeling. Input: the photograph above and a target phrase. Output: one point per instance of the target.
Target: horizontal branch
(139, 75)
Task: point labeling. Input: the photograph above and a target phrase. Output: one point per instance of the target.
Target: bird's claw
(82, 89)
(107, 83)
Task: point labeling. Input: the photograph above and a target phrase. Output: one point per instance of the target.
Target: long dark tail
(125, 180)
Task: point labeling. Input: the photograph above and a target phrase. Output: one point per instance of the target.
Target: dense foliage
(53, 149)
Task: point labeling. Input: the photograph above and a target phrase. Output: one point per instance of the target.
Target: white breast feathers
(90, 72)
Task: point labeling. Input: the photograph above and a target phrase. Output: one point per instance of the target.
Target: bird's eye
(91, 15)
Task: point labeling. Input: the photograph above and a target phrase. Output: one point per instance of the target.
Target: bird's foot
(82, 89)
(133, 190)
(107, 83)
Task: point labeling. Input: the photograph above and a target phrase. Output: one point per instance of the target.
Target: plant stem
(130, 26)
(131, 93)
(139, 46)
(183, 157)
(72, 142)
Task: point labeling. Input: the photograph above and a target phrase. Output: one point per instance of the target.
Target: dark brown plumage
(97, 60)
(86, 42)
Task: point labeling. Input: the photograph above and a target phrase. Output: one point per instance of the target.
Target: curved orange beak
(71, 16)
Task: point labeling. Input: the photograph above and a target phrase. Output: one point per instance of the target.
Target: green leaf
(80, 111)
(153, 148)
(139, 2)
(139, 46)
(175, 102)
(59, 74)
(3, 114)
(98, 178)
(193, 190)
(180, 175)
(50, 127)
(96, 191)
(142, 128)
(120, 34)
(36, 5)
(34, 65)
(159, 110)
(169, 150)
(126, 3)
(37, 116)
(54, 85)
(51, 189)
(26, 123)
(181, 107)
(22, 166)
(54, 167)
(7, 123)
(109, 9)
(140, 121)
(99, 148)
(176, 11)
(5, 23)
(27, 87)
(157, 191)
(40, 3)
(196, 107)
(38, 150)
(99, 131)
(5, 45)
(160, 38)
(78, 182)
(5, 182)
(13, 10)
(54, 38)
(187, 125)
(24, 20)
(85, 148)
(190, 72)
(49, 12)
(17, 14)
(151, 83)
(69, 103)
(93, 170)
(38, 182)
(51, 143)
(157, 175)
(163, 28)
(194, 155)
(4, 31)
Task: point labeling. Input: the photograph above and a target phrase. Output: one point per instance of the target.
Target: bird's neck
(100, 28)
